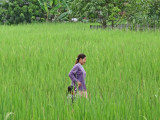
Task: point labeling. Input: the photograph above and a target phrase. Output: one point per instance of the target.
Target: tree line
(106, 12)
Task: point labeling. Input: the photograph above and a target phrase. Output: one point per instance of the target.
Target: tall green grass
(123, 73)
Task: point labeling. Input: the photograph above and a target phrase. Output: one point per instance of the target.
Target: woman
(78, 74)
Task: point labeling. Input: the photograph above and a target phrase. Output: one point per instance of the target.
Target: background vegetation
(146, 12)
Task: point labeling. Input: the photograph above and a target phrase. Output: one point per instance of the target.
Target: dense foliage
(115, 11)
(102, 11)
(19, 11)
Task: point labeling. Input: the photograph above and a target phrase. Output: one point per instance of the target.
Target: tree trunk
(112, 24)
(104, 24)
(47, 17)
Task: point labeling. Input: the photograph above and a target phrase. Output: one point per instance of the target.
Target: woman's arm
(73, 72)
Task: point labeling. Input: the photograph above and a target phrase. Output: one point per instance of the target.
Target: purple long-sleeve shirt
(78, 74)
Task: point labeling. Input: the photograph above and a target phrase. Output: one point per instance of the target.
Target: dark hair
(70, 88)
(80, 56)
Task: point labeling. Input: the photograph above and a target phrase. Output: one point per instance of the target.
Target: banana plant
(49, 5)
(68, 11)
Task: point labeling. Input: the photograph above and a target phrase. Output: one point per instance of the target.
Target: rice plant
(122, 73)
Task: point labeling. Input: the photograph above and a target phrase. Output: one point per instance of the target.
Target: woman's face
(82, 61)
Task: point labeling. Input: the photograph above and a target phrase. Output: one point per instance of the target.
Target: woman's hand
(79, 84)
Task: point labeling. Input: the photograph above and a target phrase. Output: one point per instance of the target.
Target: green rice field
(122, 73)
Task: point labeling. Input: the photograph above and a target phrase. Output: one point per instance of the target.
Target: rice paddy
(122, 73)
